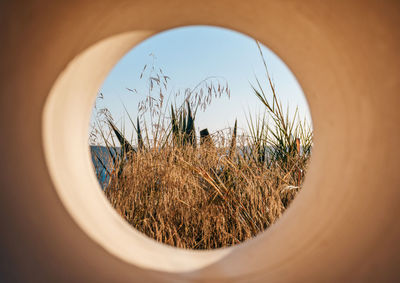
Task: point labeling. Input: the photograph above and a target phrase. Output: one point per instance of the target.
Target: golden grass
(205, 193)
(200, 198)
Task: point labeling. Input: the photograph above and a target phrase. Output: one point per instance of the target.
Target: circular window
(200, 137)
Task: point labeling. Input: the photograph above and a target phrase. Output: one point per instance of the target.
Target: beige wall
(343, 226)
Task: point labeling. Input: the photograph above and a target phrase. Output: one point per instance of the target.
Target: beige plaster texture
(56, 226)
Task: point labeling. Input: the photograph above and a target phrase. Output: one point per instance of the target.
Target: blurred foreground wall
(343, 227)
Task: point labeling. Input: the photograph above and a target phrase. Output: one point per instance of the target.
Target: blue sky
(190, 54)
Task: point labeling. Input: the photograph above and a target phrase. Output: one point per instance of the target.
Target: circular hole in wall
(169, 146)
(200, 137)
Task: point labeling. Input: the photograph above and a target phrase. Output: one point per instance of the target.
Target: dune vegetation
(201, 190)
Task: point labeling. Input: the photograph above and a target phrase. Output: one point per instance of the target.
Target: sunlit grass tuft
(209, 190)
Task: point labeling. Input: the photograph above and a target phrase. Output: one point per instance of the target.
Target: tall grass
(209, 190)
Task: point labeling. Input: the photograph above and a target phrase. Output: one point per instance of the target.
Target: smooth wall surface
(343, 226)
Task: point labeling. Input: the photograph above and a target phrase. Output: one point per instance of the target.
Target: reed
(209, 190)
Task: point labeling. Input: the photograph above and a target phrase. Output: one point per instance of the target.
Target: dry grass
(204, 192)
(200, 198)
